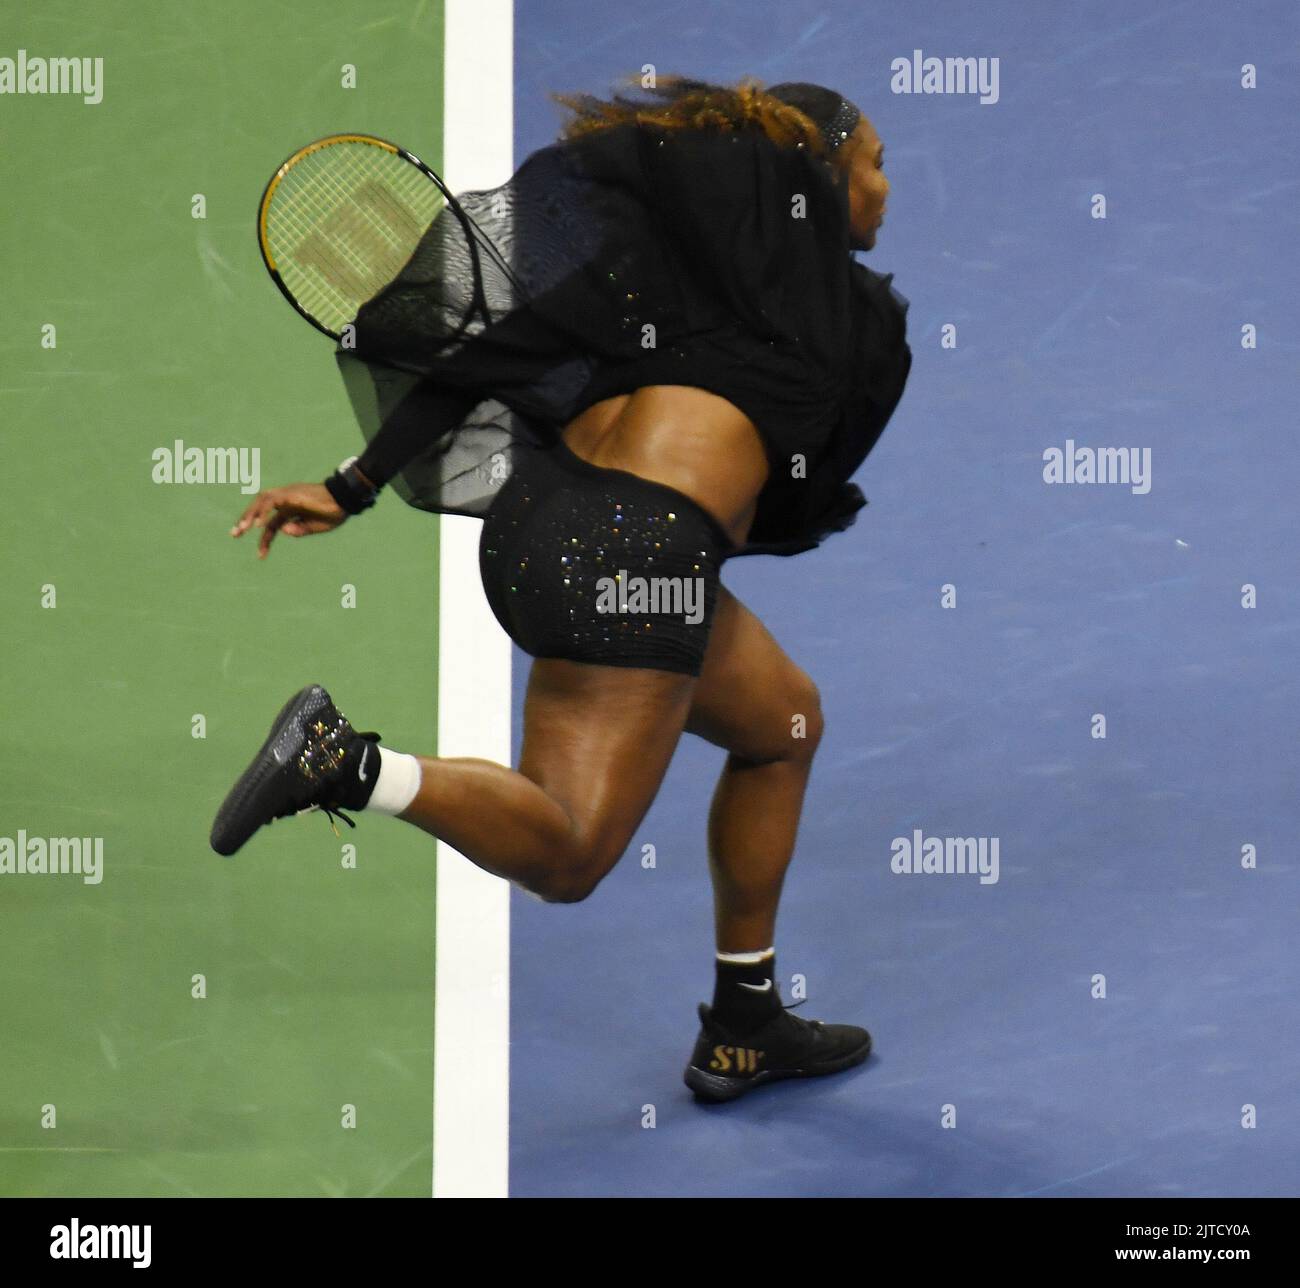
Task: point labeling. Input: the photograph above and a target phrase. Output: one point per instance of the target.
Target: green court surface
(318, 976)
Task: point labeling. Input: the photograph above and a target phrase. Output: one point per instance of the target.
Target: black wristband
(346, 486)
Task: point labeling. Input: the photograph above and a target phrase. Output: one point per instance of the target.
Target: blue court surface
(1119, 857)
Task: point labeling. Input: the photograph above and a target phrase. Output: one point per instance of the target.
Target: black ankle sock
(745, 993)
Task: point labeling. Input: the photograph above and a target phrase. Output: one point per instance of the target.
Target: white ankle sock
(746, 959)
(397, 784)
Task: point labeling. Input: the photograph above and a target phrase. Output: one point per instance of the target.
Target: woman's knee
(565, 886)
(573, 874)
(807, 721)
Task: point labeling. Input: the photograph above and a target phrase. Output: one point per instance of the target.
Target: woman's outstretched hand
(299, 510)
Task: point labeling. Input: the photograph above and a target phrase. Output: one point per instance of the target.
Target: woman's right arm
(305, 509)
(417, 421)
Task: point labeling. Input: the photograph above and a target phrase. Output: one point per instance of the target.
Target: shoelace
(331, 812)
(330, 809)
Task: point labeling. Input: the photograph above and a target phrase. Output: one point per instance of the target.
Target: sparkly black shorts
(599, 565)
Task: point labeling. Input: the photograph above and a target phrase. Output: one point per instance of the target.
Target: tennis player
(696, 367)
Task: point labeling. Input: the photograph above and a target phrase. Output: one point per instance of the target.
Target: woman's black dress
(628, 257)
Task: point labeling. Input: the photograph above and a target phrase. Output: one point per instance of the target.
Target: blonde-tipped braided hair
(684, 103)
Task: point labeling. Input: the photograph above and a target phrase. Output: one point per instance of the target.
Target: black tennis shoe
(312, 759)
(727, 1064)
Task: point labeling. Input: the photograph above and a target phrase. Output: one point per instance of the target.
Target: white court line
(471, 1071)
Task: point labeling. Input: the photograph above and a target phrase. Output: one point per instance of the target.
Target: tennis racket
(339, 220)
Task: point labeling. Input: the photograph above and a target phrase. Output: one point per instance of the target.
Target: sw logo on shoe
(729, 1059)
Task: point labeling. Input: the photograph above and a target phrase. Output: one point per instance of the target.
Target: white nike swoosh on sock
(361, 768)
(765, 987)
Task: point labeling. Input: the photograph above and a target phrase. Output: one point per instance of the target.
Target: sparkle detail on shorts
(554, 532)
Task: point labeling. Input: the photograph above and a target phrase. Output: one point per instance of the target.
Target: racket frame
(265, 204)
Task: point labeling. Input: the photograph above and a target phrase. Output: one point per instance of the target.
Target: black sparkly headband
(841, 125)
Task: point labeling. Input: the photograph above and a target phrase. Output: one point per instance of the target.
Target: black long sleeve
(416, 422)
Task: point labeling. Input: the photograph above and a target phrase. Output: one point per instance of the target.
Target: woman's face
(862, 156)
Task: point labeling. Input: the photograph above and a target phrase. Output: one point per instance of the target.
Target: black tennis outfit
(628, 257)
(600, 565)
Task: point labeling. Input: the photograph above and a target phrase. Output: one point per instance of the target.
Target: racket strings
(342, 223)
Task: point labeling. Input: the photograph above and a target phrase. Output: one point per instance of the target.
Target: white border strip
(471, 1073)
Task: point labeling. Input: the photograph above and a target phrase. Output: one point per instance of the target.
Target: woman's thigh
(751, 698)
(598, 740)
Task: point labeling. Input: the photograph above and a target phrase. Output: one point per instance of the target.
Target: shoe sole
(247, 799)
(713, 1088)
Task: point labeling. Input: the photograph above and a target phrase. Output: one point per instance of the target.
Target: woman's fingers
(295, 511)
(273, 525)
(262, 505)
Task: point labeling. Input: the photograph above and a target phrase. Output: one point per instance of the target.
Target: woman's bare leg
(754, 702)
(597, 743)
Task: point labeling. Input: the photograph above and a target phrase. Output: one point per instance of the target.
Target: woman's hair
(789, 114)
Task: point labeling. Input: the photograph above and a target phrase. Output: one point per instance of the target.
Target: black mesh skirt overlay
(630, 256)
